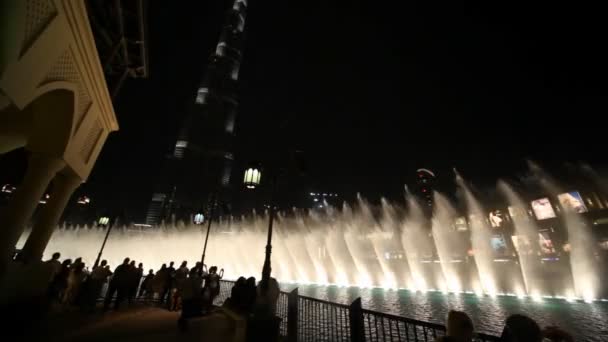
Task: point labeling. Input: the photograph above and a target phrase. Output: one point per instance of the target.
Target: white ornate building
(54, 102)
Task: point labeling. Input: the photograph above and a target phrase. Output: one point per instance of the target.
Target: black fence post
(292, 315)
(355, 317)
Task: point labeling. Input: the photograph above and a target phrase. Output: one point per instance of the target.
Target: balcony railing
(310, 319)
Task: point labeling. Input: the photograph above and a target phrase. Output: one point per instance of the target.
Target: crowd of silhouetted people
(73, 284)
(518, 328)
(193, 290)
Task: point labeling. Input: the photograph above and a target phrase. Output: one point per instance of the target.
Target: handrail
(405, 319)
(322, 319)
(324, 301)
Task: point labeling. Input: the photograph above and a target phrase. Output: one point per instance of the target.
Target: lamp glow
(103, 221)
(252, 178)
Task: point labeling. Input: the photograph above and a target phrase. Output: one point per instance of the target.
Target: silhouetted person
(60, 282)
(137, 274)
(267, 294)
(94, 284)
(77, 262)
(250, 294)
(211, 288)
(118, 285)
(74, 284)
(191, 298)
(145, 290)
(131, 282)
(520, 328)
(168, 283)
(459, 327)
(158, 283)
(556, 334)
(181, 274)
(237, 295)
(54, 265)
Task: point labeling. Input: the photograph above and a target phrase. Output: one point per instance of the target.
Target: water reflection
(588, 322)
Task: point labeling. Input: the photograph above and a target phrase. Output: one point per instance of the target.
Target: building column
(40, 170)
(64, 185)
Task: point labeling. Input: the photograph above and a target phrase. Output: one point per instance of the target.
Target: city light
(103, 221)
(84, 200)
(8, 189)
(199, 218)
(252, 178)
(181, 143)
(44, 199)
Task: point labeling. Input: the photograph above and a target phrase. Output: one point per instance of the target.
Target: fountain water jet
(443, 219)
(480, 237)
(579, 237)
(525, 231)
(415, 242)
(345, 247)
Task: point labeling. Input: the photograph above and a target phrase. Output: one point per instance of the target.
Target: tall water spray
(358, 226)
(416, 242)
(383, 242)
(480, 237)
(363, 245)
(526, 232)
(579, 237)
(443, 220)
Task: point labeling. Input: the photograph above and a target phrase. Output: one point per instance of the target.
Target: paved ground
(142, 323)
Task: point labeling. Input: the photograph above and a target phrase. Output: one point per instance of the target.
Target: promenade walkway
(140, 323)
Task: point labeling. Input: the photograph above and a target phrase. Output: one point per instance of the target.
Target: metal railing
(379, 326)
(320, 320)
(225, 289)
(311, 319)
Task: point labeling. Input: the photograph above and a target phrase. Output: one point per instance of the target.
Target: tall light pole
(253, 176)
(103, 221)
(266, 269)
(210, 219)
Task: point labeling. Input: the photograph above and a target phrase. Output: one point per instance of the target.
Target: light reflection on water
(588, 322)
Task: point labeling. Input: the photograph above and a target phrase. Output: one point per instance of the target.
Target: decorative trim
(38, 14)
(65, 69)
(84, 48)
(91, 141)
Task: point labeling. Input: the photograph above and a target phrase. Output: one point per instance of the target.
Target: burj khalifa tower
(200, 166)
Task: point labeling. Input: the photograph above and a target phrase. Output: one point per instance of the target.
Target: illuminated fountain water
(480, 235)
(579, 238)
(525, 230)
(382, 239)
(415, 243)
(390, 245)
(442, 221)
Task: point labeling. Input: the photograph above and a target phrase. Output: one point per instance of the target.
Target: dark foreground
(138, 323)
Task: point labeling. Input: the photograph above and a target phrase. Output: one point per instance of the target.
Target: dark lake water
(586, 321)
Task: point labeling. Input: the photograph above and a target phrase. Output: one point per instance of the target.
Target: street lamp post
(266, 269)
(265, 323)
(105, 222)
(210, 219)
(252, 180)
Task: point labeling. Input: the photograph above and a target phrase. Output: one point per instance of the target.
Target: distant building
(6, 193)
(80, 211)
(425, 185)
(320, 200)
(200, 165)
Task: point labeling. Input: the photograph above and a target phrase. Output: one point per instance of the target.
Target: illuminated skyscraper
(201, 163)
(425, 185)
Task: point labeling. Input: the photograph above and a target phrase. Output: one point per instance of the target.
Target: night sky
(373, 90)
